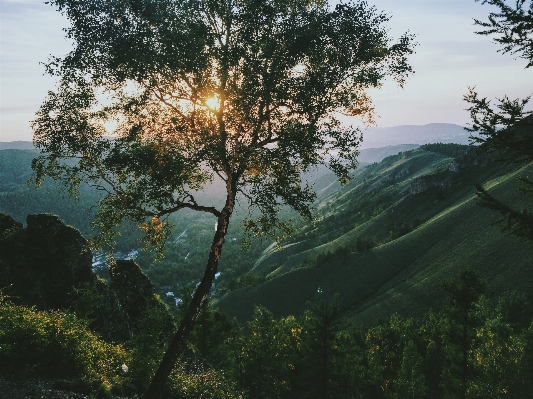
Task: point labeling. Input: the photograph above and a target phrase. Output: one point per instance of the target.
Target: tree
(497, 357)
(159, 97)
(385, 346)
(431, 337)
(211, 337)
(514, 24)
(411, 382)
(320, 348)
(348, 370)
(460, 330)
(270, 355)
(507, 128)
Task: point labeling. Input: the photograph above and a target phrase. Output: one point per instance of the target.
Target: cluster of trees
(471, 348)
(399, 229)
(320, 356)
(395, 230)
(448, 149)
(184, 260)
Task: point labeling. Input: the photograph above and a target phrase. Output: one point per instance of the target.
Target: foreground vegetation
(471, 348)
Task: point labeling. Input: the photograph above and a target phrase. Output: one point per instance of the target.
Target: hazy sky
(450, 57)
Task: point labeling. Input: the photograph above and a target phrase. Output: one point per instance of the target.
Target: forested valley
(101, 333)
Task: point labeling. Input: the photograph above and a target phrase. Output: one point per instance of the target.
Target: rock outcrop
(49, 265)
(136, 302)
(423, 183)
(472, 158)
(41, 263)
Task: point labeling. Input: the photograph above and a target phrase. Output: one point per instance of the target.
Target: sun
(212, 103)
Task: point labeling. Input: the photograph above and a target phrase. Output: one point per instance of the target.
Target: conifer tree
(460, 331)
(507, 128)
(430, 333)
(321, 324)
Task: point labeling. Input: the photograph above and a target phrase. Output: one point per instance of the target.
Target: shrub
(57, 344)
(196, 383)
(364, 244)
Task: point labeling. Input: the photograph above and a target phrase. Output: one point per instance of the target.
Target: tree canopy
(514, 27)
(507, 127)
(157, 98)
(249, 91)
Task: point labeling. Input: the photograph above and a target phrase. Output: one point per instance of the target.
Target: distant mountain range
(16, 145)
(414, 134)
(374, 137)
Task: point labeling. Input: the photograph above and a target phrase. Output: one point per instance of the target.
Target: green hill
(386, 240)
(383, 242)
(187, 247)
(18, 199)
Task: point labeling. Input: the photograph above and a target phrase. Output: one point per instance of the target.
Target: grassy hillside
(385, 241)
(188, 246)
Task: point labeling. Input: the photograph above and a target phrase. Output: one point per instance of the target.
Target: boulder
(40, 265)
(8, 224)
(422, 183)
(131, 286)
(61, 249)
(137, 306)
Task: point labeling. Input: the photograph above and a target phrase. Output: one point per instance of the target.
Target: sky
(450, 57)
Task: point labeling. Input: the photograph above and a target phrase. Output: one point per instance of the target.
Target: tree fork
(179, 342)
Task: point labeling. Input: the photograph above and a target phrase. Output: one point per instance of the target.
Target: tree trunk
(179, 342)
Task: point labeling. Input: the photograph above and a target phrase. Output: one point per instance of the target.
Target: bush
(448, 149)
(57, 344)
(196, 383)
(364, 244)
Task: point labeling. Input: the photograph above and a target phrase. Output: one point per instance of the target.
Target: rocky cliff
(49, 265)
(41, 263)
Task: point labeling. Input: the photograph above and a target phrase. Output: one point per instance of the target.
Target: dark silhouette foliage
(507, 128)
